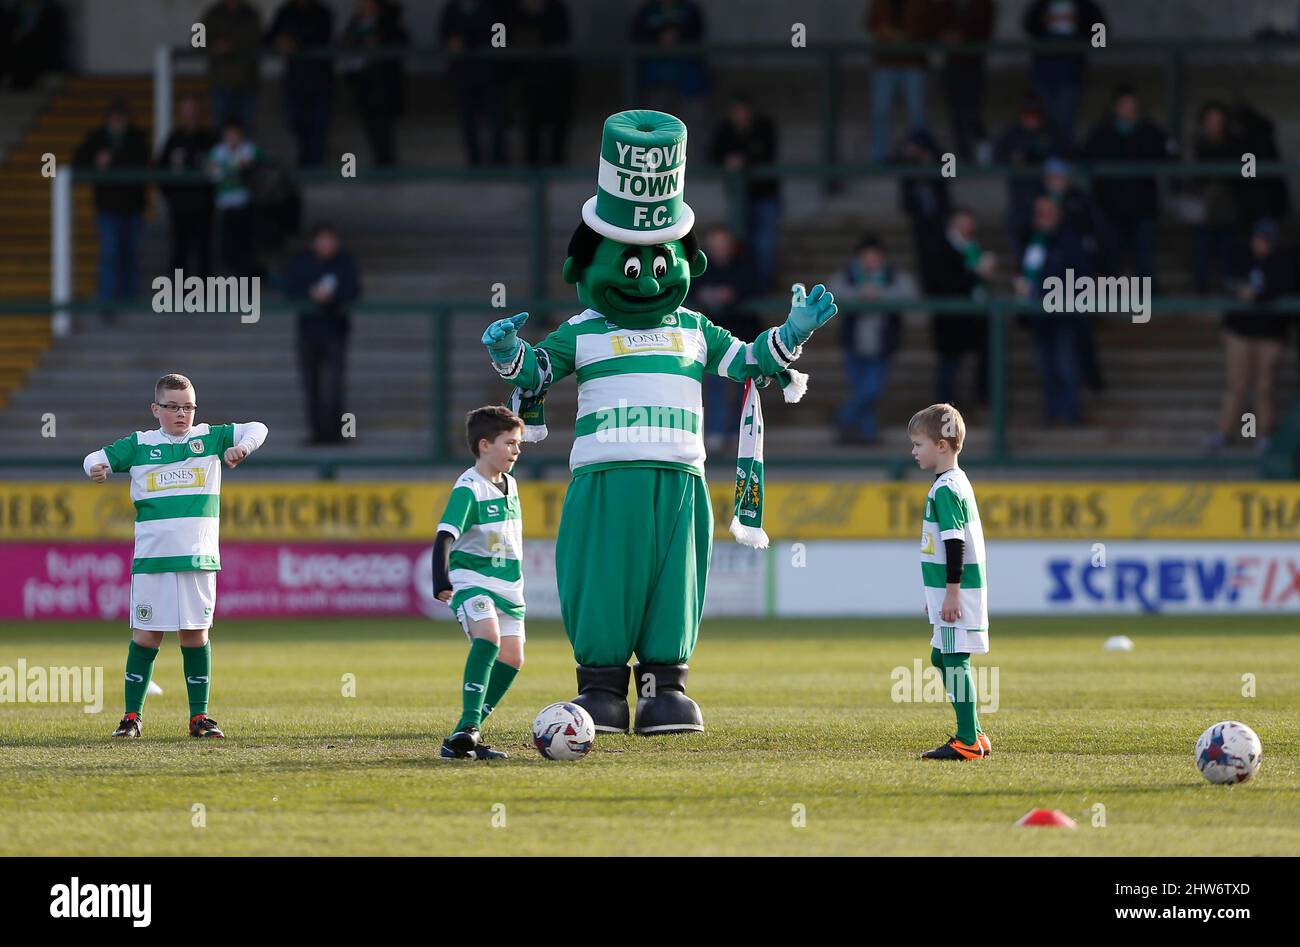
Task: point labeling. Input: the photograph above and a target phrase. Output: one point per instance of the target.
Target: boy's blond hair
(940, 422)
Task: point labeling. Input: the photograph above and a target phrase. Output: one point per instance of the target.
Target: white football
(1228, 752)
(563, 731)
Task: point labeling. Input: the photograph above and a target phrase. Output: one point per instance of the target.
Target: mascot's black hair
(583, 243)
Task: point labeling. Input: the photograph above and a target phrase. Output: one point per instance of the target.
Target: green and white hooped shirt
(639, 390)
(176, 489)
(487, 549)
(951, 513)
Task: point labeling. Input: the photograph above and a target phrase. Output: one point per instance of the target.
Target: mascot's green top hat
(641, 181)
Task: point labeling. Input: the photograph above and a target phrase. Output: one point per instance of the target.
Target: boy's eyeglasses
(179, 408)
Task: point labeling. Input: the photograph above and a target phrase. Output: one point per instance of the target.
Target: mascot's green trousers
(636, 530)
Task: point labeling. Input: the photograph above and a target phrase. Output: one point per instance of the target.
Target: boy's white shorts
(959, 640)
(482, 606)
(173, 601)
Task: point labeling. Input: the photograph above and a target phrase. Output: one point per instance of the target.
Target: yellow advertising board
(793, 511)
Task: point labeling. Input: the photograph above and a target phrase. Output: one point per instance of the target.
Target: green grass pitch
(801, 728)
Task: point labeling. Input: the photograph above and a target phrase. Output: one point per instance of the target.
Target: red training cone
(1051, 818)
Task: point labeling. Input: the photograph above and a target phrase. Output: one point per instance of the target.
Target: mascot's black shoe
(602, 692)
(662, 705)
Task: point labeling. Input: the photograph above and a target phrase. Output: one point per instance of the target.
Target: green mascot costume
(636, 530)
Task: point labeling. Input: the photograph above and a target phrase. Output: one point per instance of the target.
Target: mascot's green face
(635, 286)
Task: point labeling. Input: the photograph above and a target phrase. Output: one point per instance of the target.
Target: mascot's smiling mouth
(640, 302)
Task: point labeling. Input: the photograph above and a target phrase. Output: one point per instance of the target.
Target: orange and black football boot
(954, 749)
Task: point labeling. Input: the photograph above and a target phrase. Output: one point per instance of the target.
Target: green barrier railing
(1279, 462)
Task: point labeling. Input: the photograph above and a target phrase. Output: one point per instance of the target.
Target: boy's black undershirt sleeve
(955, 549)
(441, 548)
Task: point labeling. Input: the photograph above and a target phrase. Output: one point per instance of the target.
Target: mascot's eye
(632, 268)
(659, 267)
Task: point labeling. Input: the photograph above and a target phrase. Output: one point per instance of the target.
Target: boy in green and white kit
(477, 570)
(952, 573)
(176, 488)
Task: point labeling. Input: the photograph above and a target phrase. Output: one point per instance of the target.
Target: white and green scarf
(747, 518)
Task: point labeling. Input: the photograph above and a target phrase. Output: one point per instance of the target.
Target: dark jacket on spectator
(1042, 23)
(379, 82)
(757, 144)
(305, 271)
(237, 67)
(736, 318)
(1062, 250)
(1076, 214)
(687, 73)
(912, 18)
(130, 150)
(187, 151)
(312, 28)
(1221, 195)
(1266, 196)
(548, 27)
(973, 19)
(1271, 277)
(473, 25)
(1127, 198)
(946, 274)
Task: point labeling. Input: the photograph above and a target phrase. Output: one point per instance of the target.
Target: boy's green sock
(198, 676)
(960, 684)
(503, 675)
(478, 668)
(139, 671)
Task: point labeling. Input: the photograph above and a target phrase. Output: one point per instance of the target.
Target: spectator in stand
(478, 86)
(35, 33)
(1215, 237)
(1025, 145)
(869, 339)
(1253, 341)
(119, 207)
(326, 279)
(378, 82)
(955, 267)
(545, 86)
(959, 22)
(925, 201)
(1127, 207)
(301, 27)
(1266, 195)
(230, 165)
(1052, 247)
(234, 34)
(1077, 216)
(895, 74)
(1058, 77)
(190, 205)
(677, 84)
(722, 294)
(744, 141)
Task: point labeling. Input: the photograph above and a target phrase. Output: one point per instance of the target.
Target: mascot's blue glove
(807, 313)
(502, 339)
